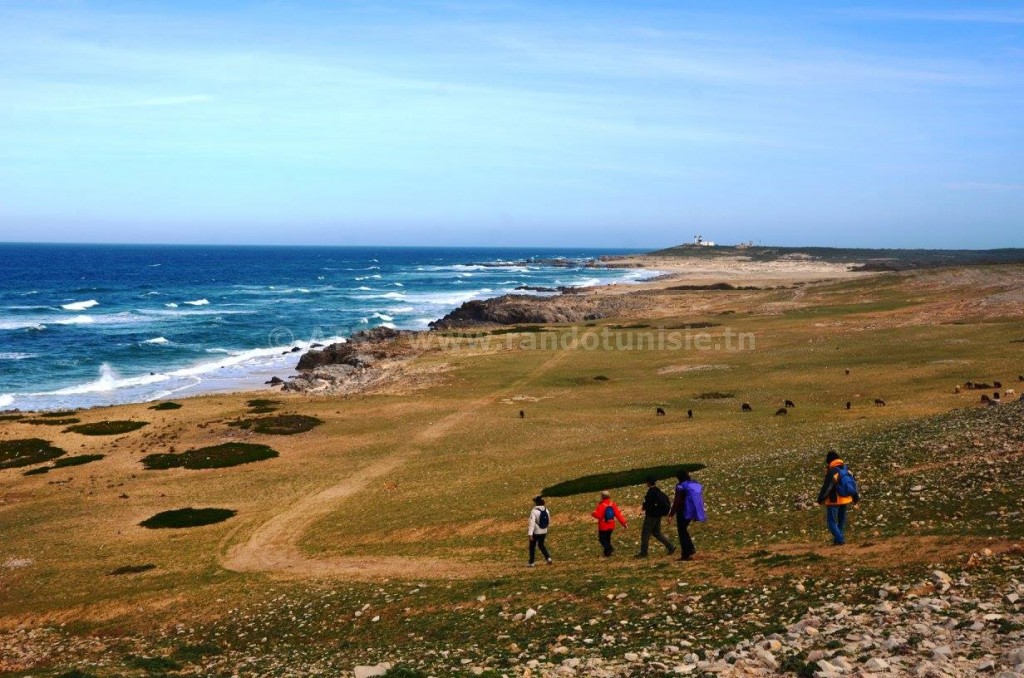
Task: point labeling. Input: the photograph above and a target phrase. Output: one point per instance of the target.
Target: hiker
(838, 492)
(655, 507)
(687, 506)
(607, 513)
(537, 529)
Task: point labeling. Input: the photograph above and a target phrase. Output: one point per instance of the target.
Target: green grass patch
(37, 471)
(27, 451)
(132, 569)
(187, 517)
(607, 481)
(11, 417)
(518, 329)
(59, 414)
(217, 456)
(714, 395)
(281, 425)
(190, 654)
(53, 422)
(107, 428)
(769, 559)
(167, 405)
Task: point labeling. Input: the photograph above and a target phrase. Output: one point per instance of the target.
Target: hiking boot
(529, 565)
(549, 561)
(671, 550)
(685, 557)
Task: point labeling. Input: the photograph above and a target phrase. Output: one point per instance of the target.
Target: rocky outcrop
(516, 309)
(361, 350)
(367, 358)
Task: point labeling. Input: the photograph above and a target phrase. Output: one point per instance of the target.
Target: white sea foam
(15, 355)
(171, 305)
(80, 305)
(398, 284)
(6, 399)
(383, 316)
(364, 288)
(157, 340)
(198, 302)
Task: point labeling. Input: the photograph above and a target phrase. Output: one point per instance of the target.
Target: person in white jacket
(537, 529)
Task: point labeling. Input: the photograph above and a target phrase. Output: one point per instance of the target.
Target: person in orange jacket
(607, 513)
(837, 494)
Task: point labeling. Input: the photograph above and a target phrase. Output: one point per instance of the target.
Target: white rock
(631, 657)
(876, 664)
(371, 671)
(530, 614)
(941, 580)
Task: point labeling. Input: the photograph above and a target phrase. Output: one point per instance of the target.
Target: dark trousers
(652, 528)
(605, 537)
(537, 542)
(683, 525)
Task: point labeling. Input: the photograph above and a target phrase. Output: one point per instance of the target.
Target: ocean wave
(6, 400)
(157, 340)
(402, 309)
(15, 355)
(382, 316)
(398, 284)
(80, 305)
(198, 302)
(171, 305)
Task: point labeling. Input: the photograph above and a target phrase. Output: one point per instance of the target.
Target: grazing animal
(1009, 392)
(660, 412)
(956, 389)
(689, 414)
(879, 402)
(995, 395)
(993, 403)
(1020, 377)
(522, 414)
(985, 398)
(847, 371)
(781, 411)
(982, 386)
(789, 403)
(969, 385)
(746, 407)
(997, 384)
(848, 404)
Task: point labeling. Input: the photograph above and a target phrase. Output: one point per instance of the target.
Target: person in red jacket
(607, 513)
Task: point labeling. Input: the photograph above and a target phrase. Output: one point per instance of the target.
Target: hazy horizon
(562, 124)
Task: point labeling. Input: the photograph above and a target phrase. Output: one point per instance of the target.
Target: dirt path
(274, 545)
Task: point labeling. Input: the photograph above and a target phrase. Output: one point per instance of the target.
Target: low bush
(107, 428)
(187, 517)
(281, 425)
(217, 456)
(53, 422)
(714, 395)
(27, 451)
(77, 460)
(59, 414)
(166, 405)
(607, 481)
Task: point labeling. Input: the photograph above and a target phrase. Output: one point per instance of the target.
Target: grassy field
(413, 502)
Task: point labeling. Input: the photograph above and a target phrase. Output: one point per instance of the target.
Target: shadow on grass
(64, 462)
(187, 517)
(607, 481)
(217, 456)
(132, 569)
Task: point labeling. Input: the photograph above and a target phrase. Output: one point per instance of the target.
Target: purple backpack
(693, 500)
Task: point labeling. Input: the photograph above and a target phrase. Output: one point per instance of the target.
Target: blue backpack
(846, 484)
(543, 520)
(609, 513)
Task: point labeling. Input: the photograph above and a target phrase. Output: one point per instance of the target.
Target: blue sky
(513, 123)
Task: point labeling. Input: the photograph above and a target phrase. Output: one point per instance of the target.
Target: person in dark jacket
(836, 504)
(655, 507)
(537, 530)
(687, 507)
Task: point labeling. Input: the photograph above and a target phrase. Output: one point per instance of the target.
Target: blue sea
(89, 325)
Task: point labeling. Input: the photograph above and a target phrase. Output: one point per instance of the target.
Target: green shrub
(607, 481)
(11, 417)
(281, 425)
(217, 456)
(77, 460)
(132, 569)
(187, 517)
(107, 428)
(27, 451)
(167, 405)
(37, 471)
(60, 414)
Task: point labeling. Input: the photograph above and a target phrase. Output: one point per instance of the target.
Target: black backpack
(662, 505)
(543, 520)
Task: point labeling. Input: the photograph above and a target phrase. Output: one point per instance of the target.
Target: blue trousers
(835, 517)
